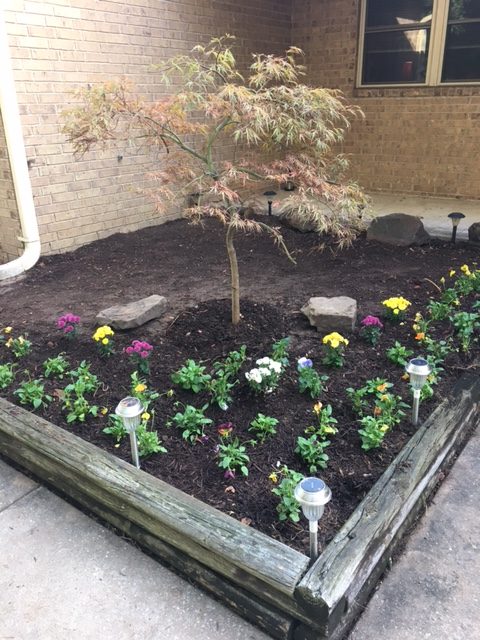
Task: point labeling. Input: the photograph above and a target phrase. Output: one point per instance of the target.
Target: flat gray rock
(398, 229)
(133, 314)
(331, 314)
(292, 219)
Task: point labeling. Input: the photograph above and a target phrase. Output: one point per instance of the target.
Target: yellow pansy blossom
(466, 270)
(273, 477)
(8, 330)
(140, 388)
(317, 408)
(145, 416)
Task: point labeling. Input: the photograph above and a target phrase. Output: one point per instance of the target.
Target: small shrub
(263, 427)
(191, 377)
(32, 392)
(312, 452)
(192, 421)
(56, 367)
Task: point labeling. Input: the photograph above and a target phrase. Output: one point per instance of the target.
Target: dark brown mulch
(188, 265)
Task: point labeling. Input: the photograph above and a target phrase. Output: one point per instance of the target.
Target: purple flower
(229, 474)
(372, 321)
(304, 363)
(203, 439)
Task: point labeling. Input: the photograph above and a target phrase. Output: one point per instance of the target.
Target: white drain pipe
(18, 162)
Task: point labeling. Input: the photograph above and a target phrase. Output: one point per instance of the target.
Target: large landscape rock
(474, 232)
(292, 219)
(133, 314)
(331, 314)
(398, 229)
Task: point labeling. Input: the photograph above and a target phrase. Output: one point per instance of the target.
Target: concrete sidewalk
(63, 575)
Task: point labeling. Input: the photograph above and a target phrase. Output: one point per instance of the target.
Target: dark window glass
(396, 41)
(395, 56)
(389, 13)
(464, 10)
(462, 53)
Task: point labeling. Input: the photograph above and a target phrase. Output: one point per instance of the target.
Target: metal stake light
(130, 409)
(418, 369)
(269, 194)
(455, 217)
(312, 494)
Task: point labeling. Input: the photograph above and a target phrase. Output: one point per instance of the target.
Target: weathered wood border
(264, 580)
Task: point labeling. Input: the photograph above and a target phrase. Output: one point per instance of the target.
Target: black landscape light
(312, 494)
(130, 410)
(455, 217)
(269, 195)
(418, 369)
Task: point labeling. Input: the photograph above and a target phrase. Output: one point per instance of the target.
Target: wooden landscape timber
(262, 579)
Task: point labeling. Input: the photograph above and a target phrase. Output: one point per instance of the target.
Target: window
(426, 42)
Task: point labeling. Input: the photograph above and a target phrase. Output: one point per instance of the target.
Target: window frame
(436, 53)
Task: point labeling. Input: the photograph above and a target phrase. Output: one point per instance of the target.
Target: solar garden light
(418, 369)
(455, 217)
(130, 409)
(312, 494)
(270, 195)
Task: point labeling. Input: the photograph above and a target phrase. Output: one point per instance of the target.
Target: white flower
(276, 366)
(264, 361)
(254, 375)
(264, 372)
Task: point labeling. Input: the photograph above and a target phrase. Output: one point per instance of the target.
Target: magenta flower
(229, 474)
(372, 321)
(140, 351)
(68, 323)
(61, 323)
(69, 329)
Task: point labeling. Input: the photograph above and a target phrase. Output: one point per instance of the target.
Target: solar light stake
(455, 217)
(418, 369)
(130, 409)
(312, 494)
(269, 194)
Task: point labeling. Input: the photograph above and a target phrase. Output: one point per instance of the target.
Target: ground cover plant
(243, 454)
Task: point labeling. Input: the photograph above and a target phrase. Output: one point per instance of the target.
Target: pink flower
(61, 323)
(144, 354)
(68, 329)
(229, 474)
(372, 321)
(129, 350)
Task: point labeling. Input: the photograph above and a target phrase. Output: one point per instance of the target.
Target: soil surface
(188, 265)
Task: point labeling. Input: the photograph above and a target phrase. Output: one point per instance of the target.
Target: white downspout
(18, 163)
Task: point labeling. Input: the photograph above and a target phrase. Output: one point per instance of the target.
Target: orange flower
(382, 387)
(377, 411)
(420, 336)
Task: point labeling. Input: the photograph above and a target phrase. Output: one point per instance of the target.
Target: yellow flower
(105, 341)
(396, 311)
(382, 387)
(405, 376)
(418, 317)
(416, 327)
(442, 280)
(420, 336)
(21, 339)
(385, 397)
(104, 411)
(317, 408)
(466, 270)
(451, 273)
(334, 340)
(145, 416)
(140, 388)
(102, 332)
(170, 393)
(8, 343)
(8, 330)
(273, 477)
(384, 428)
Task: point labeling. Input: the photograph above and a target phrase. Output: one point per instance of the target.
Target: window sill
(417, 91)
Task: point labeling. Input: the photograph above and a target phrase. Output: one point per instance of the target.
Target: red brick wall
(60, 44)
(424, 141)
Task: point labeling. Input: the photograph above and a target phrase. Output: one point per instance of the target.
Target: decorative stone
(398, 229)
(133, 314)
(292, 219)
(474, 232)
(331, 314)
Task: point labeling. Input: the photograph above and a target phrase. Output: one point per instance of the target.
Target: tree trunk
(235, 279)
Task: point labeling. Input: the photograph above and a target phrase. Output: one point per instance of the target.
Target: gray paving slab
(13, 485)
(63, 575)
(433, 591)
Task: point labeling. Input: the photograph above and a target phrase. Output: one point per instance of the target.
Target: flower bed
(288, 409)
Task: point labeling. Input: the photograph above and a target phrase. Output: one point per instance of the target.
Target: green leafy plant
(361, 398)
(192, 421)
(291, 131)
(220, 388)
(32, 392)
(7, 375)
(232, 457)
(325, 426)
(148, 442)
(140, 390)
(56, 367)
(75, 404)
(398, 354)
(263, 426)
(466, 324)
(20, 347)
(437, 350)
(438, 310)
(280, 351)
(232, 363)
(115, 428)
(373, 432)
(288, 508)
(312, 452)
(82, 373)
(309, 380)
(191, 377)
